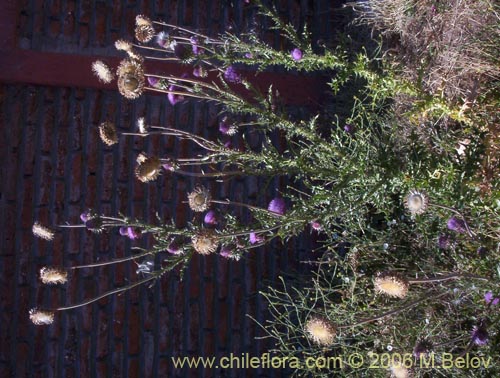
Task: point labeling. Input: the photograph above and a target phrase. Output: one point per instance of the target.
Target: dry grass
(451, 50)
(448, 46)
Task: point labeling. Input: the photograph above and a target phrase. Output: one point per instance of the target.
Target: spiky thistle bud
(41, 317)
(42, 231)
(53, 276)
(102, 71)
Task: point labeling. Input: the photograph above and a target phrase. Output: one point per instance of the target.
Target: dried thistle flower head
(416, 202)
(131, 78)
(398, 371)
(41, 317)
(205, 242)
(123, 45)
(140, 19)
(320, 330)
(102, 71)
(391, 284)
(53, 276)
(199, 199)
(148, 169)
(108, 134)
(144, 30)
(42, 231)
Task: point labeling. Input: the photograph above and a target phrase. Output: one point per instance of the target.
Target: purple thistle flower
(195, 43)
(124, 231)
(422, 348)
(162, 39)
(172, 97)
(482, 251)
(249, 55)
(488, 297)
(86, 215)
(228, 144)
(226, 251)
(133, 233)
(211, 217)
(199, 71)
(94, 224)
(181, 52)
(224, 126)
(153, 81)
(254, 238)
(168, 167)
(231, 75)
(296, 54)
(349, 129)
(456, 224)
(443, 241)
(316, 225)
(480, 335)
(174, 248)
(277, 205)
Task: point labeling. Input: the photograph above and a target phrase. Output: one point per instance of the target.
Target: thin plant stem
(111, 218)
(392, 312)
(228, 202)
(176, 79)
(187, 94)
(188, 134)
(108, 293)
(209, 174)
(149, 48)
(168, 59)
(471, 234)
(447, 277)
(175, 27)
(114, 261)
(243, 233)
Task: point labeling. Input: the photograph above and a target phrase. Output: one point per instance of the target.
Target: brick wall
(54, 167)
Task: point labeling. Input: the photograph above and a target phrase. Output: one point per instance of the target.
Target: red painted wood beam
(64, 70)
(69, 70)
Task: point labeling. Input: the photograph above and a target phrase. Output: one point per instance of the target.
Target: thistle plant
(227, 237)
(409, 242)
